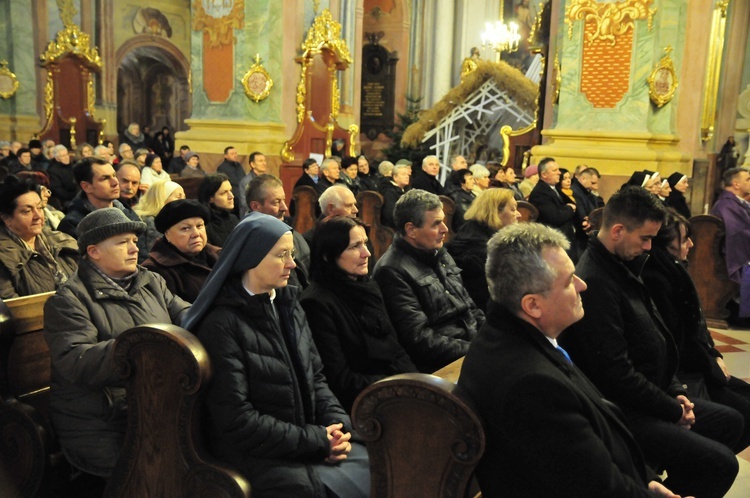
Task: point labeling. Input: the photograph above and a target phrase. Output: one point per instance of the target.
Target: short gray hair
(515, 265)
(326, 162)
(385, 168)
(424, 161)
(57, 149)
(412, 206)
(333, 195)
(479, 171)
(99, 149)
(400, 167)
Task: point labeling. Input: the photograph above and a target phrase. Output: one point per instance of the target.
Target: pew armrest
(166, 369)
(423, 436)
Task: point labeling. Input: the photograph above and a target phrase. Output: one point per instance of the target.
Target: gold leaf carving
(326, 33)
(219, 23)
(610, 19)
(71, 40)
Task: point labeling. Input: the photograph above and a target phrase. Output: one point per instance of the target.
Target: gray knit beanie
(103, 224)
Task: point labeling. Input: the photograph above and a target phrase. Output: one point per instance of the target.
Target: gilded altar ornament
(662, 82)
(219, 20)
(257, 82)
(8, 81)
(325, 33)
(713, 69)
(558, 78)
(71, 40)
(611, 20)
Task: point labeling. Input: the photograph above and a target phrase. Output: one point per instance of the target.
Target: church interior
(616, 85)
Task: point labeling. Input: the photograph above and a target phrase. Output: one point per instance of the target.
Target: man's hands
(661, 490)
(723, 367)
(339, 443)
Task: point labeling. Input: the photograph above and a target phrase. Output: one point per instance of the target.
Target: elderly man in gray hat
(108, 295)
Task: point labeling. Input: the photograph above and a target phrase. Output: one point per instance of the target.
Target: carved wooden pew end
(423, 437)
(166, 370)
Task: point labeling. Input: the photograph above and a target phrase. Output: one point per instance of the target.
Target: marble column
(438, 38)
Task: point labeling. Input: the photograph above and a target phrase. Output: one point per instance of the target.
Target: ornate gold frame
(7, 74)
(258, 74)
(660, 96)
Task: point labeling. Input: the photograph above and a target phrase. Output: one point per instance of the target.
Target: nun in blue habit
(270, 412)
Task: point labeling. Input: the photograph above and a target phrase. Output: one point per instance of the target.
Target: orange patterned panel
(605, 72)
(218, 70)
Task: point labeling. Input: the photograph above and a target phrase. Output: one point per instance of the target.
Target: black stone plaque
(378, 89)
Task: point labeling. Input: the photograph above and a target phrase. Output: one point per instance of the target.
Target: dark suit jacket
(552, 209)
(549, 431)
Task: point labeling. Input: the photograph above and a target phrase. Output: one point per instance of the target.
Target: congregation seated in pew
(271, 414)
(109, 294)
(33, 258)
(549, 430)
(434, 317)
(182, 256)
(346, 312)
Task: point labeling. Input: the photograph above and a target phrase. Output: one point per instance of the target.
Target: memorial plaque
(378, 87)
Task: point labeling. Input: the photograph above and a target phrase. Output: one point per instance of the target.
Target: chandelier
(501, 37)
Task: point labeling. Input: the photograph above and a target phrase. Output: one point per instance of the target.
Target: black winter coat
(434, 317)
(462, 200)
(354, 336)
(469, 249)
(269, 404)
(621, 343)
(220, 225)
(184, 276)
(676, 298)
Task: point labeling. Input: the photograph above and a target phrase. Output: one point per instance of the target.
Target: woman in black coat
(347, 315)
(492, 210)
(215, 192)
(270, 412)
(701, 366)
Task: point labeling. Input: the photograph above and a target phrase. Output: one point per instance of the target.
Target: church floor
(734, 344)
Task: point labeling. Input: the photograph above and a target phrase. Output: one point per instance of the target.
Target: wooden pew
(708, 268)
(528, 211)
(449, 207)
(370, 206)
(165, 369)
(305, 206)
(423, 436)
(27, 447)
(191, 186)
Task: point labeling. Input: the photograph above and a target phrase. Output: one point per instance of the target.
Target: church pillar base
(19, 127)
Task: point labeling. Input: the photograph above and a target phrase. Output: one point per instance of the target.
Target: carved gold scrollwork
(49, 102)
(301, 92)
(257, 82)
(71, 40)
(90, 97)
(219, 20)
(611, 19)
(8, 81)
(326, 33)
(353, 134)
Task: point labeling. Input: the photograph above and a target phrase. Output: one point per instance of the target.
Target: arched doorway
(152, 87)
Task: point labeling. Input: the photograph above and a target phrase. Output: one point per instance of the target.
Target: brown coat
(24, 272)
(184, 276)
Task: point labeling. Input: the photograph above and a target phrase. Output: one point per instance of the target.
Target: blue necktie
(565, 354)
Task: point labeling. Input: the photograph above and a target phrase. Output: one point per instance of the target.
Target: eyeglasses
(287, 255)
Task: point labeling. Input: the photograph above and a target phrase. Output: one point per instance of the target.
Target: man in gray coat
(108, 295)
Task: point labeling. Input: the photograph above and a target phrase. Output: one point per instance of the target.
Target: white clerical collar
(552, 341)
(271, 295)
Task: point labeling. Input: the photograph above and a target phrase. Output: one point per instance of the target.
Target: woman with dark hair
(215, 192)
(346, 312)
(182, 256)
(270, 411)
(349, 172)
(492, 210)
(701, 369)
(463, 197)
(676, 199)
(153, 171)
(33, 258)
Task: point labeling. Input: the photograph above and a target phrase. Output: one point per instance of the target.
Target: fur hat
(176, 211)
